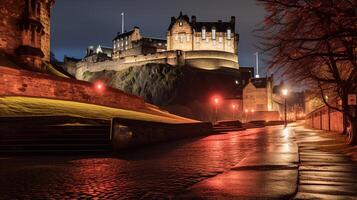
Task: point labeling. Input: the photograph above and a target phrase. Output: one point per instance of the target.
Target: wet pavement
(160, 171)
(324, 173)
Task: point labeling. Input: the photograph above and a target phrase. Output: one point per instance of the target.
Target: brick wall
(14, 82)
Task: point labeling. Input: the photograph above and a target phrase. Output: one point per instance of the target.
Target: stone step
(327, 176)
(54, 147)
(317, 196)
(330, 189)
(56, 141)
(331, 168)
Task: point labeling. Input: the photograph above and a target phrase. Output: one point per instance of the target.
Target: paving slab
(332, 159)
(247, 184)
(286, 147)
(331, 168)
(268, 159)
(330, 189)
(314, 196)
(313, 182)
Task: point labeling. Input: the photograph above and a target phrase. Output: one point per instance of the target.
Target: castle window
(229, 34)
(188, 38)
(182, 38)
(214, 33)
(229, 43)
(203, 33)
(220, 39)
(180, 24)
(176, 37)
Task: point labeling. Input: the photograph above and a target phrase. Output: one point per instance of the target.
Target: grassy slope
(26, 106)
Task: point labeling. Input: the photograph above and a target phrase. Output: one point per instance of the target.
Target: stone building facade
(258, 95)
(190, 35)
(132, 43)
(204, 45)
(25, 31)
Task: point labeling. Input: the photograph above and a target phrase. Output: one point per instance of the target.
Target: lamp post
(216, 101)
(234, 106)
(285, 94)
(246, 115)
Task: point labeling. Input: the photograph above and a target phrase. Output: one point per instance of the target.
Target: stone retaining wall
(201, 59)
(133, 133)
(15, 82)
(325, 119)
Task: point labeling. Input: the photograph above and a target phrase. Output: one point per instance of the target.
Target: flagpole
(122, 23)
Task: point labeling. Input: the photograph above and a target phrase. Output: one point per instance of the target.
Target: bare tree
(315, 42)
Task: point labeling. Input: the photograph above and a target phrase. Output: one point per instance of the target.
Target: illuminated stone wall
(14, 82)
(182, 37)
(255, 98)
(25, 30)
(10, 34)
(208, 60)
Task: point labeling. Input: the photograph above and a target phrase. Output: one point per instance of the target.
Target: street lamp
(285, 94)
(99, 86)
(216, 101)
(234, 106)
(246, 114)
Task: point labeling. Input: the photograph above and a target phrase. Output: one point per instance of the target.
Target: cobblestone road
(150, 173)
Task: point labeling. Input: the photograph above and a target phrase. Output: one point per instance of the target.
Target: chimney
(193, 19)
(233, 19)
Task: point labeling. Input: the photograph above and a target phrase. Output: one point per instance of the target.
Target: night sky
(77, 24)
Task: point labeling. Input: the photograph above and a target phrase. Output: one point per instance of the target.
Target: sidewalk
(271, 172)
(326, 169)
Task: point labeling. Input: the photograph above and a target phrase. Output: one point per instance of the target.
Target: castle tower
(25, 31)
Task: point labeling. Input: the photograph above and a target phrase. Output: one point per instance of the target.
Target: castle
(25, 31)
(205, 45)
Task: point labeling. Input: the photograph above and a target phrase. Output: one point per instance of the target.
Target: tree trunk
(351, 131)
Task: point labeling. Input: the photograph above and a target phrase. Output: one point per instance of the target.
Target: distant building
(132, 44)
(257, 95)
(262, 100)
(25, 31)
(203, 45)
(98, 54)
(187, 35)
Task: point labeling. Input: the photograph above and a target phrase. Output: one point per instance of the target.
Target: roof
(220, 26)
(154, 39)
(259, 82)
(197, 26)
(104, 48)
(124, 34)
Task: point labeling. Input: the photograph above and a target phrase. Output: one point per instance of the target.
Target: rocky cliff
(182, 90)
